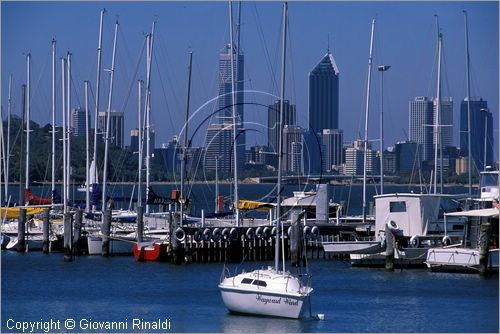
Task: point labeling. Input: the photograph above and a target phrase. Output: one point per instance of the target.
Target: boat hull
(410, 257)
(352, 247)
(459, 259)
(116, 247)
(263, 303)
(150, 251)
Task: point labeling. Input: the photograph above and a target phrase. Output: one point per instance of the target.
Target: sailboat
(268, 292)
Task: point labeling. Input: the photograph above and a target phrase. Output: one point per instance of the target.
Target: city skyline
(402, 31)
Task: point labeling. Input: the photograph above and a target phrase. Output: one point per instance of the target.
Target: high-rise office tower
(289, 118)
(421, 125)
(293, 148)
(354, 159)
(324, 95)
(445, 121)
(116, 129)
(407, 156)
(219, 148)
(333, 143)
(481, 132)
(78, 124)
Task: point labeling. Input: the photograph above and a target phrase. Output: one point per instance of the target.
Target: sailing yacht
(268, 292)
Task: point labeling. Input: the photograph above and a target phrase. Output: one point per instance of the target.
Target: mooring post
(389, 249)
(21, 231)
(484, 247)
(140, 224)
(68, 254)
(78, 228)
(105, 231)
(46, 242)
(295, 238)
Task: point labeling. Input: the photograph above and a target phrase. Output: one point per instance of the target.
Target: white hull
(116, 247)
(352, 247)
(459, 259)
(32, 244)
(410, 256)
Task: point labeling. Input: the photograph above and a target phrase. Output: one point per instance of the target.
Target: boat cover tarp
(13, 213)
(255, 205)
(491, 212)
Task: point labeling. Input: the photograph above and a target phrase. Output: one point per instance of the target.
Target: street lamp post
(382, 69)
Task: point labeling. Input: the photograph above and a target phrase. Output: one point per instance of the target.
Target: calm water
(39, 287)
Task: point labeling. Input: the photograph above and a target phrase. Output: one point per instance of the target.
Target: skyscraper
(333, 143)
(421, 111)
(293, 147)
(116, 129)
(445, 120)
(324, 95)
(220, 147)
(78, 124)
(289, 118)
(481, 132)
(407, 156)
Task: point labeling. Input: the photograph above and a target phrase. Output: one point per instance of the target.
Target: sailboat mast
(185, 140)
(7, 155)
(87, 157)
(437, 126)
(28, 101)
(53, 154)
(108, 121)
(63, 104)
(68, 134)
(97, 88)
(234, 115)
(280, 138)
(367, 107)
(467, 66)
(149, 43)
(139, 145)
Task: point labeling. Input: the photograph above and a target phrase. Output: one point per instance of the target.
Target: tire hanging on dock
(180, 235)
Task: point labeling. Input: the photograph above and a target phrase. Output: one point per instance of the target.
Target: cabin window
(399, 206)
(247, 281)
(458, 227)
(259, 283)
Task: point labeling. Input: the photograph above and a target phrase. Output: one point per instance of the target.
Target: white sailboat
(268, 292)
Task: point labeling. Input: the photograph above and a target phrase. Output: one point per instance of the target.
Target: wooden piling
(46, 241)
(484, 247)
(105, 231)
(140, 224)
(77, 228)
(67, 246)
(389, 249)
(21, 231)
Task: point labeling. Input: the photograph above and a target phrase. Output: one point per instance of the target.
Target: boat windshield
(489, 179)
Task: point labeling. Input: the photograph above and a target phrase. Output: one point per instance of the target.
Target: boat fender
(307, 232)
(446, 240)
(250, 234)
(259, 232)
(180, 235)
(393, 226)
(207, 234)
(198, 235)
(233, 234)
(216, 234)
(315, 233)
(414, 241)
(383, 244)
(225, 233)
(274, 231)
(289, 232)
(267, 232)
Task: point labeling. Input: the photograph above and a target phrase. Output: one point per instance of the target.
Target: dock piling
(46, 245)
(484, 247)
(21, 231)
(67, 248)
(105, 231)
(389, 249)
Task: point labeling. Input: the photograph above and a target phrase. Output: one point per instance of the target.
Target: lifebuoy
(307, 232)
(259, 232)
(216, 234)
(315, 233)
(446, 240)
(250, 234)
(225, 233)
(180, 235)
(392, 226)
(414, 241)
(233, 234)
(198, 235)
(267, 232)
(207, 234)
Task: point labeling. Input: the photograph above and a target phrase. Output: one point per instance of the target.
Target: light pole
(382, 69)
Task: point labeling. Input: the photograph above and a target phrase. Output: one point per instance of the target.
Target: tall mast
(185, 140)
(149, 43)
(7, 155)
(108, 121)
(234, 115)
(139, 145)
(28, 101)
(63, 104)
(367, 106)
(467, 66)
(68, 134)
(382, 69)
(437, 126)
(87, 157)
(280, 137)
(97, 88)
(53, 154)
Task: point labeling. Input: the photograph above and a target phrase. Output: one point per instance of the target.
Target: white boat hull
(408, 257)
(352, 247)
(265, 304)
(459, 259)
(116, 247)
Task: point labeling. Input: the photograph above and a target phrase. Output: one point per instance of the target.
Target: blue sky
(405, 38)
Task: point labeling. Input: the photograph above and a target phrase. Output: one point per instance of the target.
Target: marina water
(93, 291)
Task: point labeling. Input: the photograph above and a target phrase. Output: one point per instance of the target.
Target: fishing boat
(267, 292)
